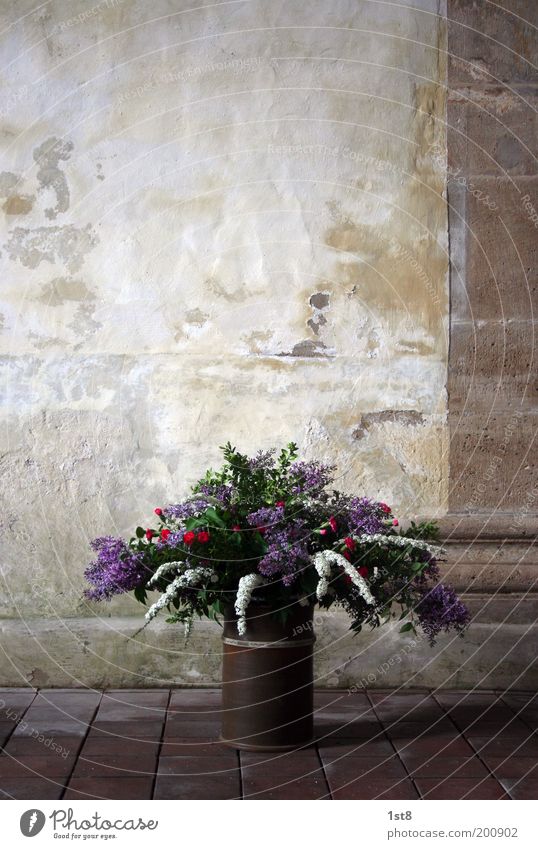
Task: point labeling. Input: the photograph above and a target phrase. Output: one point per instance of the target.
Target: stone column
(493, 229)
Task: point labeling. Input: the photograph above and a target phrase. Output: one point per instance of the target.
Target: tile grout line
(17, 722)
(160, 746)
(518, 714)
(82, 741)
(389, 738)
(329, 792)
(463, 735)
(240, 767)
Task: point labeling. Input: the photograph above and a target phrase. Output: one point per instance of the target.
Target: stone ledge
(512, 526)
(101, 653)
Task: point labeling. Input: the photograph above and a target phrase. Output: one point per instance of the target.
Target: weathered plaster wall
(223, 222)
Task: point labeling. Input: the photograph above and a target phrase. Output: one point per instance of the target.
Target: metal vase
(267, 679)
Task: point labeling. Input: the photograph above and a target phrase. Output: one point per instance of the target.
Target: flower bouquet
(268, 532)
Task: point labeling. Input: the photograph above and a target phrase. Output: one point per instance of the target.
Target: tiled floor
(161, 744)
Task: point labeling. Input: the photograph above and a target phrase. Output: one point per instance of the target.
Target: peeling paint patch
(50, 176)
(411, 418)
(320, 300)
(307, 348)
(63, 289)
(68, 245)
(315, 323)
(18, 204)
(196, 317)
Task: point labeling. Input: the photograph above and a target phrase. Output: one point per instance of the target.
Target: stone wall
(231, 223)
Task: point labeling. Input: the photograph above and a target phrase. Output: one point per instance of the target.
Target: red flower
(188, 538)
(332, 523)
(158, 511)
(236, 528)
(203, 536)
(323, 531)
(261, 530)
(385, 507)
(347, 579)
(363, 571)
(149, 534)
(395, 522)
(347, 555)
(280, 503)
(165, 533)
(350, 543)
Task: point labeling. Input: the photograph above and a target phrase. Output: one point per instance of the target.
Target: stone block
(492, 461)
(491, 132)
(492, 44)
(492, 366)
(495, 261)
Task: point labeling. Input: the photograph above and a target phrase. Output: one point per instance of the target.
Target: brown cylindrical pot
(267, 680)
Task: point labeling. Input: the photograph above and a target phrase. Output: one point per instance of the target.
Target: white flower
(189, 578)
(247, 585)
(401, 542)
(323, 561)
(173, 566)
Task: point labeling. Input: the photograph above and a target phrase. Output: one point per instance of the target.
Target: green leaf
(140, 532)
(213, 518)
(140, 594)
(418, 567)
(407, 627)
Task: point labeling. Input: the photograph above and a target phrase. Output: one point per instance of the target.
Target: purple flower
(261, 461)
(172, 541)
(116, 569)
(265, 517)
(286, 543)
(310, 478)
(440, 609)
(222, 492)
(186, 509)
(365, 516)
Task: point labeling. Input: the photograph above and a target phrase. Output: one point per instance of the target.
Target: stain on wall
(239, 234)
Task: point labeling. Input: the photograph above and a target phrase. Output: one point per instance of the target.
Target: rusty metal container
(267, 680)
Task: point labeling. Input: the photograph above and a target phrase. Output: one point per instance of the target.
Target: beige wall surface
(220, 221)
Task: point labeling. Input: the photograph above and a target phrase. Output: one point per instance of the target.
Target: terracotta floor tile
(375, 770)
(222, 786)
(425, 747)
(364, 788)
(31, 788)
(134, 765)
(363, 729)
(111, 745)
(109, 788)
(333, 749)
(513, 766)
(527, 788)
(460, 788)
(293, 775)
(188, 765)
(53, 747)
(35, 767)
(178, 727)
(204, 697)
(193, 746)
(129, 731)
(441, 730)
(406, 708)
(129, 705)
(6, 730)
(440, 767)
(313, 787)
(499, 746)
